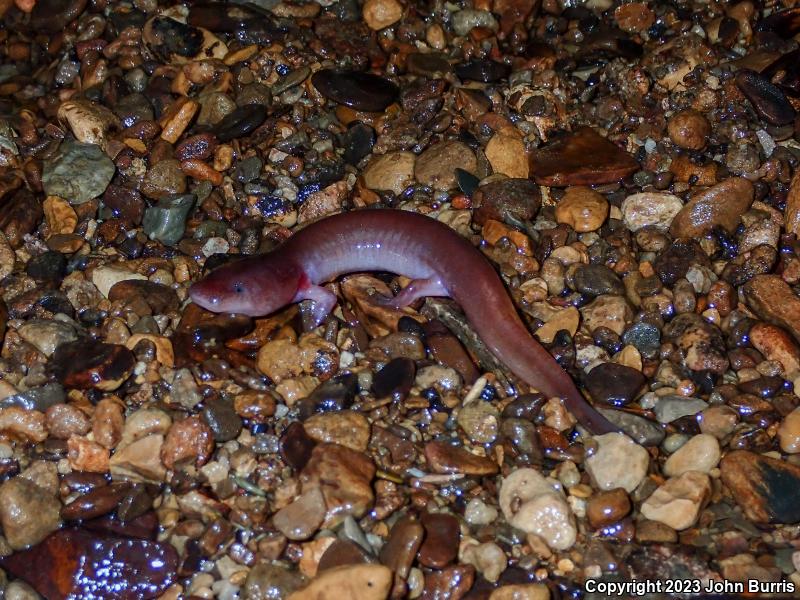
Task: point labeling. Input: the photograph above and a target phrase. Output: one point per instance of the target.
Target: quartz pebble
(619, 462)
(534, 504)
(678, 502)
(650, 209)
(701, 453)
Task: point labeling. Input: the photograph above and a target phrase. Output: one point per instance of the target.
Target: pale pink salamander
(438, 260)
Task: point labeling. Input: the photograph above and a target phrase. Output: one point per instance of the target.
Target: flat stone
(361, 91)
(721, 205)
(346, 427)
(442, 534)
(679, 501)
(400, 549)
(670, 408)
(773, 300)
(765, 488)
(446, 458)
(392, 171)
(582, 157)
(365, 582)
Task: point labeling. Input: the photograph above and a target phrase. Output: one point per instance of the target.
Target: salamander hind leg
(418, 288)
(322, 302)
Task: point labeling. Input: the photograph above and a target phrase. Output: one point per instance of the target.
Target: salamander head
(253, 286)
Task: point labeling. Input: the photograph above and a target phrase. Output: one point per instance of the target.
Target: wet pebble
(614, 384)
(166, 221)
(532, 503)
(84, 364)
(596, 280)
(483, 70)
(608, 507)
(446, 458)
(393, 171)
(361, 91)
(671, 408)
(240, 122)
(618, 462)
(769, 101)
(440, 545)
(678, 502)
(650, 209)
(436, 167)
(582, 208)
(701, 453)
(28, 513)
(721, 205)
(582, 157)
(689, 129)
(77, 172)
(762, 486)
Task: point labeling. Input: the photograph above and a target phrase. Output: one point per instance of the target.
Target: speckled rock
(764, 487)
(608, 311)
(393, 171)
(437, 166)
(77, 172)
(650, 209)
(28, 512)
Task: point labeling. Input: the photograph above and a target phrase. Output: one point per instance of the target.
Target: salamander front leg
(322, 302)
(418, 288)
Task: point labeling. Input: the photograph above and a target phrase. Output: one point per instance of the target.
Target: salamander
(439, 262)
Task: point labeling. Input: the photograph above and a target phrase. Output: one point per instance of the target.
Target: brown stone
(400, 550)
(765, 488)
(606, 508)
(446, 458)
(440, 546)
(721, 205)
(773, 300)
(583, 157)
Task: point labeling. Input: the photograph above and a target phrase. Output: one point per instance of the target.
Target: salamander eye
(238, 288)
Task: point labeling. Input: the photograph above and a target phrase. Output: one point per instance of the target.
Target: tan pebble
(106, 276)
(393, 171)
(364, 581)
(435, 37)
(607, 311)
(140, 460)
(617, 462)
(689, 129)
(296, 388)
(379, 14)
(506, 154)
(789, 432)
(201, 171)
(108, 422)
(629, 356)
(88, 121)
(86, 455)
(177, 118)
(701, 453)
(188, 441)
(678, 502)
(521, 591)
(60, 216)
(312, 553)
(223, 157)
(568, 319)
(650, 209)
(634, 17)
(777, 345)
(345, 427)
(436, 166)
(718, 421)
(23, 425)
(65, 420)
(582, 208)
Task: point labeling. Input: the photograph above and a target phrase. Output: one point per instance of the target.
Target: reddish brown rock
(442, 534)
(582, 157)
(446, 458)
(72, 563)
(765, 488)
(773, 300)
